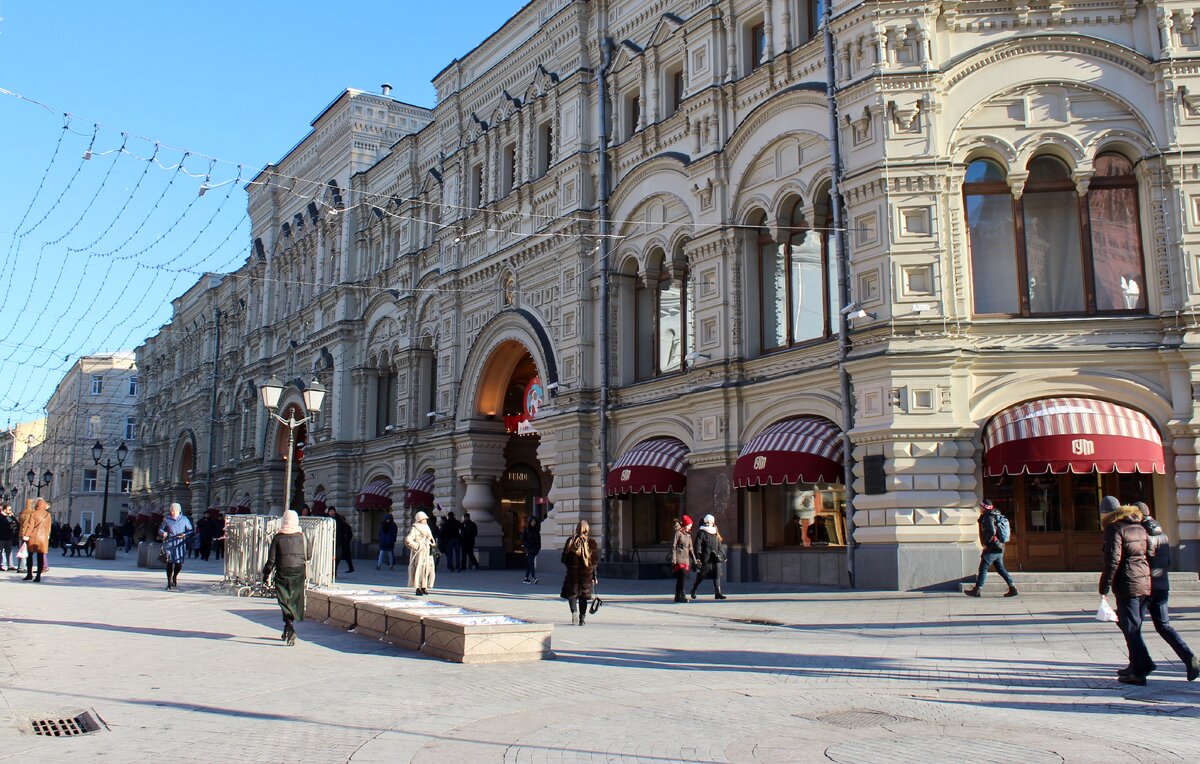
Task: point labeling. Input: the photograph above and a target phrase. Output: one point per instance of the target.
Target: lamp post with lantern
(31, 476)
(314, 396)
(108, 465)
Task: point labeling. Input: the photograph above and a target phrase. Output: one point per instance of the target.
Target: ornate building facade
(1018, 207)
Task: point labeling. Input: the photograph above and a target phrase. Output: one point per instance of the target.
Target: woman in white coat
(421, 547)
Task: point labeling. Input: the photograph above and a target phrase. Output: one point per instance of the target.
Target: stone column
(479, 462)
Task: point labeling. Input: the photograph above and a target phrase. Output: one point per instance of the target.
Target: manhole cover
(66, 725)
(935, 749)
(858, 718)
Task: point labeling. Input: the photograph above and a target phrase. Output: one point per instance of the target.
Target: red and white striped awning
(1079, 435)
(652, 466)
(420, 491)
(803, 450)
(375, 495)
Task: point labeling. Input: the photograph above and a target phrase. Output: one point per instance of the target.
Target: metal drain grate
(859, 718)
(80, 724)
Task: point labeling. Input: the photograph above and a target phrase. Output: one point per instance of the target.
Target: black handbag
(596, 603)
(163, 557)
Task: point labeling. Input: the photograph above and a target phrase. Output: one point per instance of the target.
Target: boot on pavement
(972, 592)
(1012, 592)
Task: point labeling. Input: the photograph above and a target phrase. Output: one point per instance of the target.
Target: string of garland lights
(297, 190)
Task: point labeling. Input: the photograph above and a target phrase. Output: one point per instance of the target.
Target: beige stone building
(1018, 207)
(18, 447)
(94, 403)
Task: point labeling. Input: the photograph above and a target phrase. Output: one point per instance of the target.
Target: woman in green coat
(288, 557)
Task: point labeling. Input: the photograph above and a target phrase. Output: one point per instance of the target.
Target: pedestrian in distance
(1126, 572)
(345, 535)
(710, 553)
(994, 533)
(204, 529)
(438, 548)
(1160, 591)
(470, 532)
(35, 533)
(175, 532)
(683, 555)
(8, 534)
(531, 543)
(451, 538)
(387, 543)
(288, 558)
(127, 531)
(580, 555)
(422, 548)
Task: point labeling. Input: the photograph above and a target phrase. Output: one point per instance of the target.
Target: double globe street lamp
(108, 465)
(314, 396)
(31, 476)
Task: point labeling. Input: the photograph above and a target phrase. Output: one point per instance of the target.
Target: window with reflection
(1054, 252)
(662, 320)
(797, 284)
(654, 516)
(803, 515)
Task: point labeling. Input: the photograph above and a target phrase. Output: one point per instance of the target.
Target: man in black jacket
(470, 531)
(345, 534)
(993, 550)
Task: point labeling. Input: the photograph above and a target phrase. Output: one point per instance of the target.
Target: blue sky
(93, 250)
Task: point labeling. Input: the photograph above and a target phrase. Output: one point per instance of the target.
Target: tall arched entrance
(510, 397)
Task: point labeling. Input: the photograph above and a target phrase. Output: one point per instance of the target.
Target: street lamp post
(314, 395)
(108, 464)
(31, 476)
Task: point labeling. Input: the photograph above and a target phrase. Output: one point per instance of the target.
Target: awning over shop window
(802, 450)
(318, 504)
(420, 492)
(652, 466)
(375, 495)
(1080, 435)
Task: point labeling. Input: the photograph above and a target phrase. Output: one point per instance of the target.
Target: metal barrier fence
(248, 540)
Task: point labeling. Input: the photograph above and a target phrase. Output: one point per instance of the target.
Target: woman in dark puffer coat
(1127, 572)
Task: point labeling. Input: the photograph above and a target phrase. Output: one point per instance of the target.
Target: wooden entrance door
(1055, 518)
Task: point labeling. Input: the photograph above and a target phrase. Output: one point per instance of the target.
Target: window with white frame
(662, 325)
(633, 113)
(797, 283)
(130, 428)
(126, 481)
(133, 387)
(93, 426)
(89, 481)
(97, 384)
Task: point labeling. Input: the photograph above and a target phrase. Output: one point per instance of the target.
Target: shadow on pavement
(147, 630)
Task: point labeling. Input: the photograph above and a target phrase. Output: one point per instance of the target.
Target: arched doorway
(511, 394)
(187, 464)
(1048, 462)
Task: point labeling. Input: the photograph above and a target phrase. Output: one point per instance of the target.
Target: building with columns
(1018, 204)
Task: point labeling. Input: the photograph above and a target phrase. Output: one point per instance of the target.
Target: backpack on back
(1003, 530)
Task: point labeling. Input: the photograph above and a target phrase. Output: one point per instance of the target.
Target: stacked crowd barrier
(248, 539)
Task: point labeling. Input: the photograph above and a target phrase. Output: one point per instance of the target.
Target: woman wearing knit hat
(710, 551)
(683, 555)
(288, 557)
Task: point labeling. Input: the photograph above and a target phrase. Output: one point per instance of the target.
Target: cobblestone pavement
(769, 675)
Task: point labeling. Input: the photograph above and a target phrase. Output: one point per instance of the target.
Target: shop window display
(803, 515)
(654, 516)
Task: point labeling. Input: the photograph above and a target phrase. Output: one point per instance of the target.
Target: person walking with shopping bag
(710, 552)
(1160, 592)
(581, 555)
(288, 558)
(1126, 572)
(175, 534)
(683, 555)
(35, 535)
(421, 547)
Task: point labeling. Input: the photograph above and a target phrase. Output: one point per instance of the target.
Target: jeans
(1129, 619)
(986, 560)
(454, 554)
(530, 565)
(387, 556)
(6, 555)
(128, 543)
(1156, 607)
(469, 556)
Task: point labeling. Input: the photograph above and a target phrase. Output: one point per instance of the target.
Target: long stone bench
(443, 631)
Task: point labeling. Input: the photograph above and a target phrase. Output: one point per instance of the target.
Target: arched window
(1053, 252)
(661, 319)
(796, 284)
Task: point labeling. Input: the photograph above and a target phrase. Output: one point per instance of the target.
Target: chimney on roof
(386, 88)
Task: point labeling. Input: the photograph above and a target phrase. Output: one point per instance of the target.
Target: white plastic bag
(23, 551)
(1105, 612)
